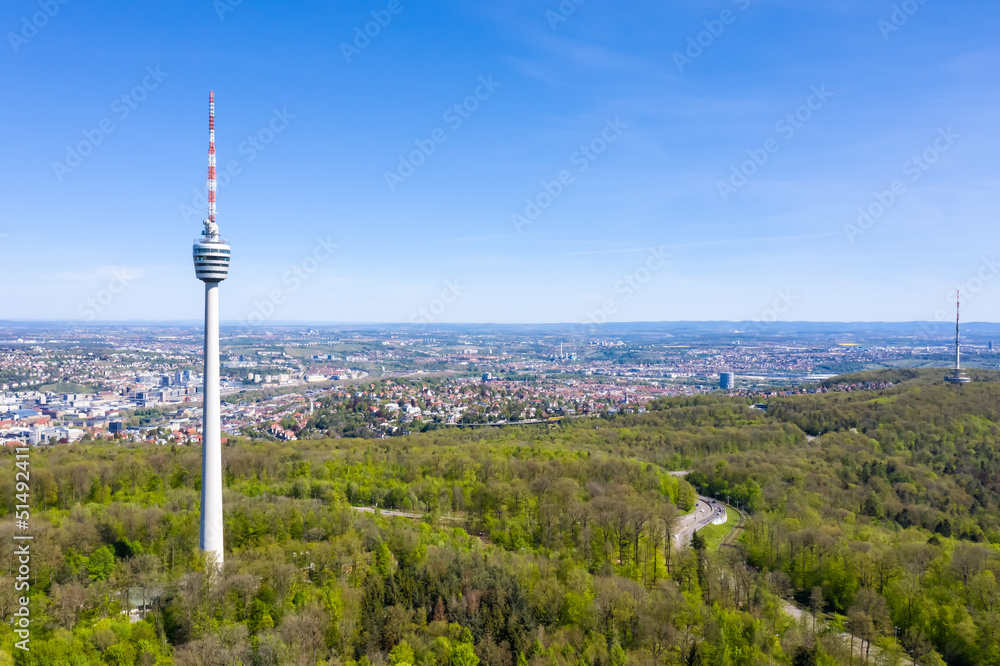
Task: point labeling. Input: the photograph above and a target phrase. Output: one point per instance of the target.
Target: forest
(869, 533)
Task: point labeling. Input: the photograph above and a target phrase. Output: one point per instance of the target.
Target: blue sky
(640, 229)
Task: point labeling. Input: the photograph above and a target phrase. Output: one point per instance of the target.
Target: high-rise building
(727, 381)
(211, 265)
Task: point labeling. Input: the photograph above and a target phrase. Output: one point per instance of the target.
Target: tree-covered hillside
(876, 510)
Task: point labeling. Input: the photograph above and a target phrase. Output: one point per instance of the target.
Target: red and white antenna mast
(211, 228)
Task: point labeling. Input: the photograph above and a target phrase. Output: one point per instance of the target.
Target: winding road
(705, 511)
(387, 512)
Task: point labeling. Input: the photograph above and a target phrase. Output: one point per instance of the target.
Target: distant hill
(900, 375)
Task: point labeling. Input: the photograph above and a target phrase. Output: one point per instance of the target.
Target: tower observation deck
(211, 259)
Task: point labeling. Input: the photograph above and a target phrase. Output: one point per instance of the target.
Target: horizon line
(305, 322)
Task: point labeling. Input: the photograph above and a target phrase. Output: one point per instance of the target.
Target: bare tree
(271, 651)
(886, 563)
(244, 587)
(967, 561)
(144, 573)
(603, 515)
(868, 617)
(80, 478)
(8, 597)
(304, 634)
(657, 619)
(654, 536)
(67, 602)
(151, 519)
(206, 651)
(917, 557)
(638, 519)
(816, 603)
(670, 517)
(191, 592)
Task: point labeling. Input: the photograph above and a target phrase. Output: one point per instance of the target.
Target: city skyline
(630, 119)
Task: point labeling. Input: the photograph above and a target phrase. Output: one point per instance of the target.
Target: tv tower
(957, 377)
(211, 265)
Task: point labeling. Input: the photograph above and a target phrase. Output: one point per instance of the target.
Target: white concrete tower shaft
(211, 265)
(211, 443)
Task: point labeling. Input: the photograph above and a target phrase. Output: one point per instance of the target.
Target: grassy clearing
(714, 534)
(67, 387)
